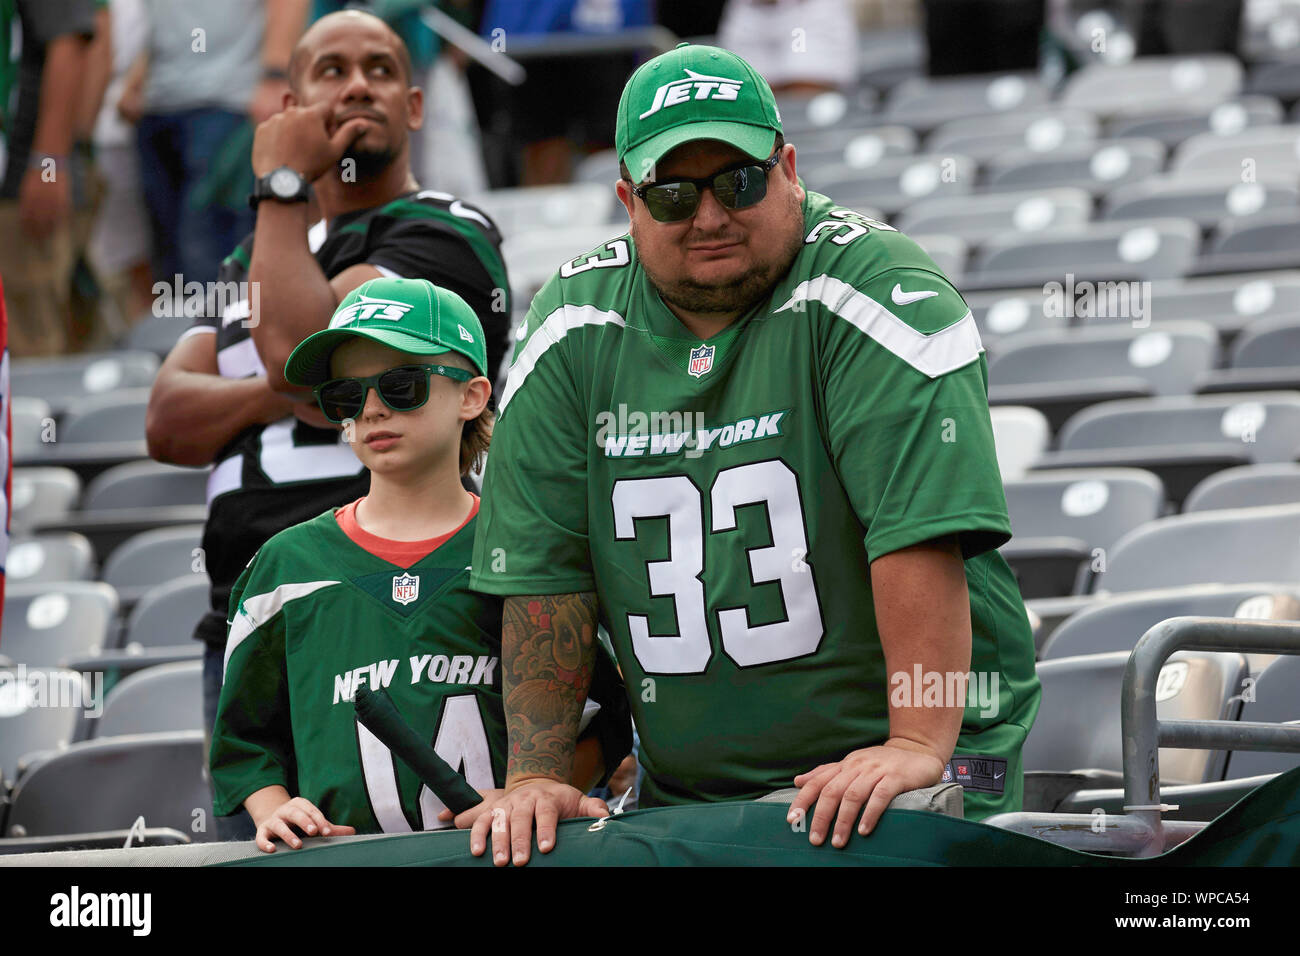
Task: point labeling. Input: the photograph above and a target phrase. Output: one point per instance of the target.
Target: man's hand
(299, 137)
(873, 775)
(467, 818)
(511, 817)
(43, 205)
(301, 813)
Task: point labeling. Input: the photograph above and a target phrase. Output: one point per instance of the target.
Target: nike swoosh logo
(907, 298)
(458, 208)
(999, 775)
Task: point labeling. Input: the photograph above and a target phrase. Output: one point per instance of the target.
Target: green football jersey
(315, 615)
(724, 499)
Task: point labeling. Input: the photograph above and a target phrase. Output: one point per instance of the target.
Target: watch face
(284, 183)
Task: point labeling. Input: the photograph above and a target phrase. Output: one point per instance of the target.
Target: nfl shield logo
(406, 588)
(701, 360)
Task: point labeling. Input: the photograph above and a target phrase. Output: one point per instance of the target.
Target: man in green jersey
(752, 440)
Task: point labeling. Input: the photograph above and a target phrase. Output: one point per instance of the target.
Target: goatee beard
(367, 164)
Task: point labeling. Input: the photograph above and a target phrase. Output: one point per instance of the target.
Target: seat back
(41, 709)
(1250, 486)
(168, 613)
(153, 557)
(139, 484)
(1096, 505)
(48, 623)
(165, 698)
(53, 556)
(1275, 698)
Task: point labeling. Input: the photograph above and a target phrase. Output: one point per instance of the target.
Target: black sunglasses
(402, 389)
(736, 187)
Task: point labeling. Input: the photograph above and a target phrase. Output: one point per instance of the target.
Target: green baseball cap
(690, 93)
(410, 315)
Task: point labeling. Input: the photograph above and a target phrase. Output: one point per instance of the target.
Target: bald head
(315, 42)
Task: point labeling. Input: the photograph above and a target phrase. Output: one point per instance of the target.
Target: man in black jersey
(220, 398)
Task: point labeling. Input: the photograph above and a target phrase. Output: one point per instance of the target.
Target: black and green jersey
(273, 476)
(314, 616)
(725, 499)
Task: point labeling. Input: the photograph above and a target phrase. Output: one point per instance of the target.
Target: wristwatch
(282, 184)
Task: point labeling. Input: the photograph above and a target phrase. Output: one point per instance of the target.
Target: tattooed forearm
(548, 646)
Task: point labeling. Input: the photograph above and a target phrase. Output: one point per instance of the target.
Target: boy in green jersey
(377, 593)
(751, 438)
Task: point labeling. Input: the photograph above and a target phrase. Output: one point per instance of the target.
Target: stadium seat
(1060, 373)
(981, 216)
(1059, 518)
(54, 556)
(146, 484)
(529, 208)
(1265, 151)
(1204, 200)
(1228, 546)
(1148, 84)
(31, 418)
(1266, 240)
(926, 103)
(1265, 356)
(1108, 251)
(948, 252)
(533, 257)
(159, 699)
(857, 148)
(1115, 622)
(1078, 724)
(63, 381)
(805, 113)
(1173, 126)
(1002, 313)
(985, 138)
(108, 784)
(48, 623)
(42, 494)
(166, 614)
(889, 55)
(1183, 439)
(151, 558)
(1275, 699)
(1020, 435)
(894, 182)
(1098, 167)
(39, 714)
(112, 417)
(1250, 486)
(155, 333)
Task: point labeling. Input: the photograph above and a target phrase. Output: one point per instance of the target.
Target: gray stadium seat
(984, 138)
(48, 623)
(1060, 372)
(1156, 249)
(62, 381)
(1264, 151)
(1153, 83)
(857, 148)
(156, 334)
(159, 699)
(1229, 546)
(895, 182)
(889, 55)
(42, 494)
(1115, 622)
(1098, 167)
(108, 784)
(1228, 302)
(1250, 486)
(1277, 700)
(926, 103)
(53, 556)
(981, 216)
(152, 558)
(146, 484)
(1078, 725)
(40, 715)
(802, 114)
(1266, 240)
(1206, 200)
(534, 257)
(529, 208)
(1002, 313)
(1183, 439)
(166, 614)
(1020, 435)
(30, 421)
(112, 417)
(1058, 519)
(948, 252)
(1174, 126)
(1270, 32)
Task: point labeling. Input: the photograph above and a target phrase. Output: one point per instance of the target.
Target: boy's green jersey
(313, 616)
(725, 499)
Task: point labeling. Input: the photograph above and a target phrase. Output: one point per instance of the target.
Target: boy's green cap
(411, 315)
(690, 93)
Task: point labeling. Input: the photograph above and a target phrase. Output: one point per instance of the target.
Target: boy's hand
(466, 820)
(301, 813)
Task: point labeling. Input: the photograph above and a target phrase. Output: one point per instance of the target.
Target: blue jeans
(177, 153)
(238, 826)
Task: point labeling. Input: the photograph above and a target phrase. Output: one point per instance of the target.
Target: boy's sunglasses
(402, 389)
(736, 187)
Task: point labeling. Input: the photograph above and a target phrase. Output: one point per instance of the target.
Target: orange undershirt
(401, 553)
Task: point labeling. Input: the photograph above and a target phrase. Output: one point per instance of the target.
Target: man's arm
(923, 616)
(285, 20)
(194, 412)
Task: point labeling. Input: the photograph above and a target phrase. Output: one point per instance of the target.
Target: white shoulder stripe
(935, 354)
(260, 608)
(554, 327)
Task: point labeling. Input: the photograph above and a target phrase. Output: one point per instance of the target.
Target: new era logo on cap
(704, 87)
